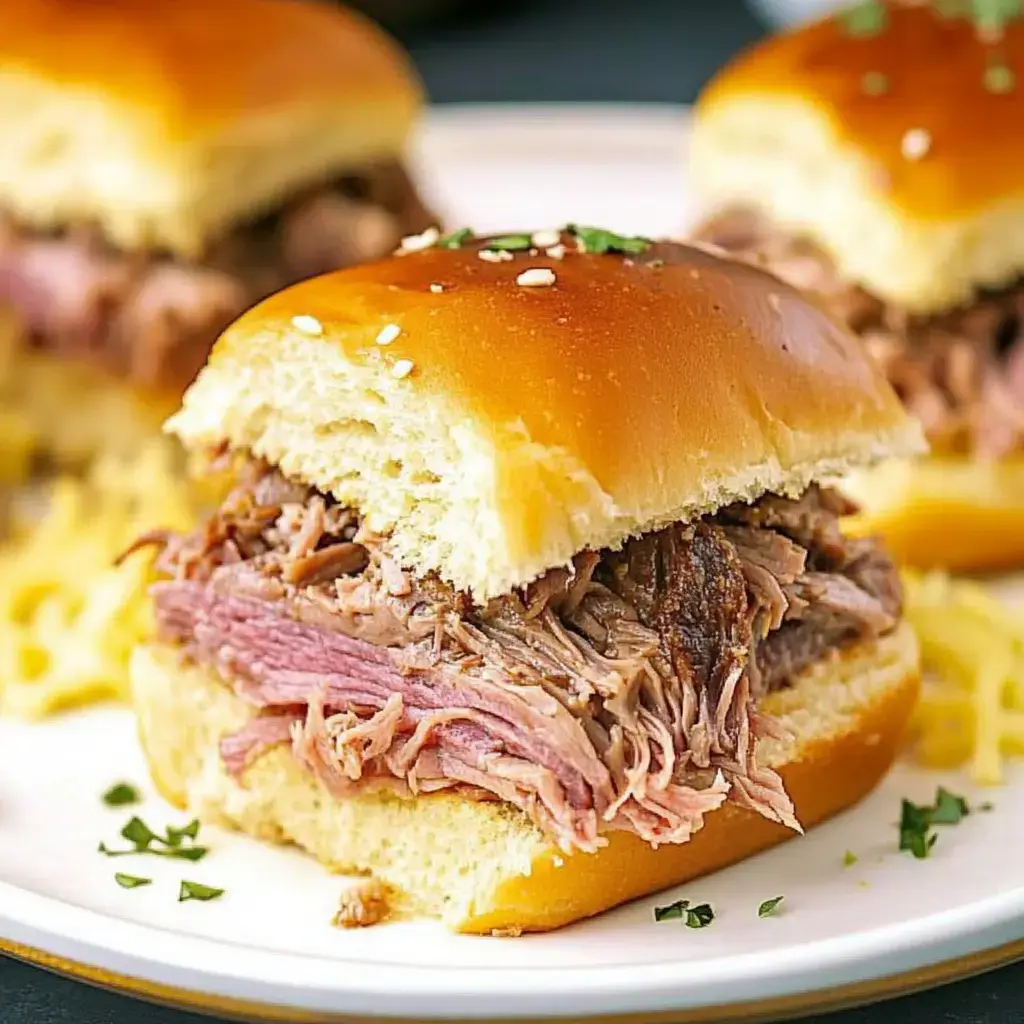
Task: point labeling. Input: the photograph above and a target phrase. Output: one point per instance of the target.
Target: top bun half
(167, 122)
(890, 135)
(496, 424)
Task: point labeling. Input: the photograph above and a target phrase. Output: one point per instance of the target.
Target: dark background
(562, 51)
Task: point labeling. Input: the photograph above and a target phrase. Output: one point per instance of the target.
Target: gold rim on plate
(750, 1012)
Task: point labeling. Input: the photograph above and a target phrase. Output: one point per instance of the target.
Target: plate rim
(215, 967)
(749, 1012)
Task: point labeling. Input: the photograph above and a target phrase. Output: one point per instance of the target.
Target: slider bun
(483, 866)
(952, 513)
(538, 421)
(168, 122)
(791, 127)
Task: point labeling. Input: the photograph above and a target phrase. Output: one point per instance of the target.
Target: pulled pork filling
(620, 693)
(960, 372)
(152, 317)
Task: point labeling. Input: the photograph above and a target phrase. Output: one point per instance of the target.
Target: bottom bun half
(952, 512)
(483, 867)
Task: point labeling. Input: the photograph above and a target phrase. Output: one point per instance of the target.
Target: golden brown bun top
(203, 61)
(630, 392)
(922, 72)
(629, 362)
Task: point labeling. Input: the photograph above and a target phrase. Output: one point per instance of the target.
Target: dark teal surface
(31, 996)
(558, 50)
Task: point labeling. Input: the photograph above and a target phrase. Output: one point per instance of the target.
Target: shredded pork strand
(616, 694)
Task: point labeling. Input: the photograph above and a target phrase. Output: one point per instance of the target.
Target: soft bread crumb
(477, 499)
(363, 904)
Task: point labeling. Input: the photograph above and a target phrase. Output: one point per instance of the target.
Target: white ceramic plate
(883, 925)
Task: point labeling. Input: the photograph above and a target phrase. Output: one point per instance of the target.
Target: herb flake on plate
(917, 821)
(121, 794)
(131, 881)
(175, 835)
(145, 840)
(949, 809)
(699, 916)
(916, 835)
(768, 907)
(198, 891)
(138, 833)
(672, 911)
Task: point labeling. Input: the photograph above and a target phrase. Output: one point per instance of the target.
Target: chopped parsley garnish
(700, 916)
(131, 881)
(672, 911)
(849, 859)
(138, 833)
(987, 806)
(949, 808)
(693, 917)
(455, 239)
(511, 243)
(145, 840)
(866, 18)
(768, 907)
(120, 795)
(197, 891)
(915, 829)
(916, 821)
(189, 831)
(184, 852)
(600, 241)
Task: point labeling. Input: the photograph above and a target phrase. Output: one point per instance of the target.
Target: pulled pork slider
(869, 158)
(527, 600)
(165, 166)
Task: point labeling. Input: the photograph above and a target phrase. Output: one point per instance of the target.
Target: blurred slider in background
(870, 157)
(164, 167)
